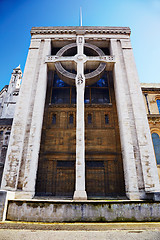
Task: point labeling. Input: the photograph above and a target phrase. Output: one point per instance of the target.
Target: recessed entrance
(103, 165)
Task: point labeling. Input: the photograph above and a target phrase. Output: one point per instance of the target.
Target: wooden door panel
(65, 182)
(95, 184)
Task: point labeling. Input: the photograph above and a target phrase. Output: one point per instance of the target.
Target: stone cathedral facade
(80, 129)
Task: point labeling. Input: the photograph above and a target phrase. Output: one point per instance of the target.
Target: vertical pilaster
(16, 143)
(31, 163)
(124, 118)
(147, 157)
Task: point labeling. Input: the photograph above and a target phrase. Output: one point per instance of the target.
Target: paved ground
(78, 235)
(79, 231)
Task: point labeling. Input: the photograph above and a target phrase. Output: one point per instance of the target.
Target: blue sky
(17, 17)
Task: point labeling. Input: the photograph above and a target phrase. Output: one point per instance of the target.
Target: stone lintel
(150, 116)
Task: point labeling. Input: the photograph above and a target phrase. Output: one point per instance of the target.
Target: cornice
(80, 30)
(145, 90)
(150, 87)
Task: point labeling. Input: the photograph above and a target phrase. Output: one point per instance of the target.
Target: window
(89, 119)
(87, 95)
(62, 93)
(158, 104)
(65, 164)
(98, 93)
(156, 144)
(73, 95)
(7, 133)
(95, 164)
(71, 119)
(106, 119)
(54, 119)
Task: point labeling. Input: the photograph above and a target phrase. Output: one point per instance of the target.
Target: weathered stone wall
(2, 97)
(89, 211)
(3, 195)
(5, 129)
(151, 92)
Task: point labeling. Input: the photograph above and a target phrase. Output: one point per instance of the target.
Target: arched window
(156, 144)
(71, 119)
(89, 118)
(158, 104)
(54, 119)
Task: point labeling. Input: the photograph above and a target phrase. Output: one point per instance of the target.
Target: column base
(24, 195)
(80, 195)
(133, 195)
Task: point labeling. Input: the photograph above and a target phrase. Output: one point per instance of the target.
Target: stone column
(16, 143)
(125, 121)
(80, 193)
(147, 157)
(31, 163)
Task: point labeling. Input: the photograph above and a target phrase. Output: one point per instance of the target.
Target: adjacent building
(151, 93)
(8, 99)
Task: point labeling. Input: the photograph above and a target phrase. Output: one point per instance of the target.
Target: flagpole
(80, 16)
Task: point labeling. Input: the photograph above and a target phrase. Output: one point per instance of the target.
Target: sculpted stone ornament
(80, 79)
(80, 57)
(80, 39)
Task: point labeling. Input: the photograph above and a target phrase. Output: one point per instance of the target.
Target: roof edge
(85, 29)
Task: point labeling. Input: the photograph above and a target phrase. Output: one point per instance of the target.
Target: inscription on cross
(80, 58)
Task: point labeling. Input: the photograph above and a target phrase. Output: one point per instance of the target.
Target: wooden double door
(103, 160)
(103, 178)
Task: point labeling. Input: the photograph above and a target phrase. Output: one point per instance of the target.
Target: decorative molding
(62, 105)
(154, 118)
(2, 128)
(80, 30)
(105, 105)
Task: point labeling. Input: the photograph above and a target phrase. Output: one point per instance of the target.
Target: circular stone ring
(69, 77)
